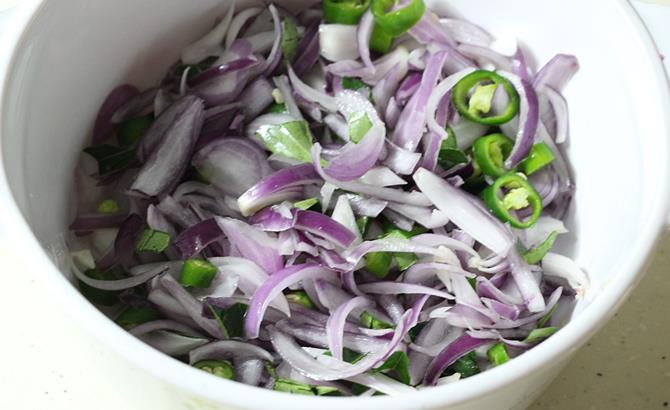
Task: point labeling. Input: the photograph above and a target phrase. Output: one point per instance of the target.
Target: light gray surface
(627, 364)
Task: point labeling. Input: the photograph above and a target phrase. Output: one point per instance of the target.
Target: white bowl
(68, 54)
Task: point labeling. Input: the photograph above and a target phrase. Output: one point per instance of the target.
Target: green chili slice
(490, 153)
(132, 317)
(300, 297)
(197, 273)
(397, 20)
(371, 322)
(512, 192)
(132, 130)
(380, 40)
(344, 11)
(219, 368)
(472, 97)
(539, 157)
(108, 206)
(153, 241)
(498, 354)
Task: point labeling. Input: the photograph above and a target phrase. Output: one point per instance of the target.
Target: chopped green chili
(133, 129)
(396, 20)
(512, 192)
(300, 297)
(111, 158)
(276, 107)
(294, 387)
(535, 255)
(371, 322)
(473, 109)
(380, 40)
(219, 368)
(542, 333)
(306, 204)
(108, 206)
(132, 316)
(466, 365)
(100, 296)
(352, 83)
(290, 39)
(497, 354)
(363, 224)
(292, 139)
(490, 153)
(398, 363)
(153, 241)
(197, 273)
(344, 11)
(539, 157)
(359, 125)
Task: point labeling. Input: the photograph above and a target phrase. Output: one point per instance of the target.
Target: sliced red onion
(275, 55)
(412, 122)
(120, 284)
(385, 89)
(395, 195)
(526, 282)
(353, 160)
(193, 240)
(363, 35)
(308, 50)
(253, 244)
(408, 87)
(520, 67)
(436, 97)
(158, 222)
(233, 165)
(564, 267)
(355, 254)
(398, 288)
(309, 367)
(316, 336)
(256, 97)
(392, 306)
(238, 22)
(369, 207)
(126, 238)
(277, 218)
(486, 289)
(116, 99)
(560, 108)
(227, 350)
(177, 213)
(399, 220)
(392, 113)
(169, 160)
(428, 217)
(211, 43)
(223, 84)
(557, 72)
(458, 206)
(192, 307)
(383, 65)
(162, 100)
(382, 176)
(267, 119)
(325, 227)
(134, 106)
(282, 185)
(91, 222)
(510, 312)
(284, 88)
(486, 55)
(303, 90)
(272, 287)
(344, 215)
(338, 42)
(155, 325)
(400, 160)
(171, 343)
(466, 32)
(529, 113)
(429, 30)
(423, 272)
(460, 347)
(337, 320)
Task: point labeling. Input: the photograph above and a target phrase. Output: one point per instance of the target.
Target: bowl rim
(193, 382)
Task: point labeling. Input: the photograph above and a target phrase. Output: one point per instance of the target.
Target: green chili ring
(344, 11)
(490, 153)
(397, 22)
(500, 202)
(461, 91)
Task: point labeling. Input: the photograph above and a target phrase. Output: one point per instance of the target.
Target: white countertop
(49, 363)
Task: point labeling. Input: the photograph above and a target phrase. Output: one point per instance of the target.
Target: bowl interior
(74, 52)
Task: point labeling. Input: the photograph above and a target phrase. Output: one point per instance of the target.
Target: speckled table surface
(625, 366)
